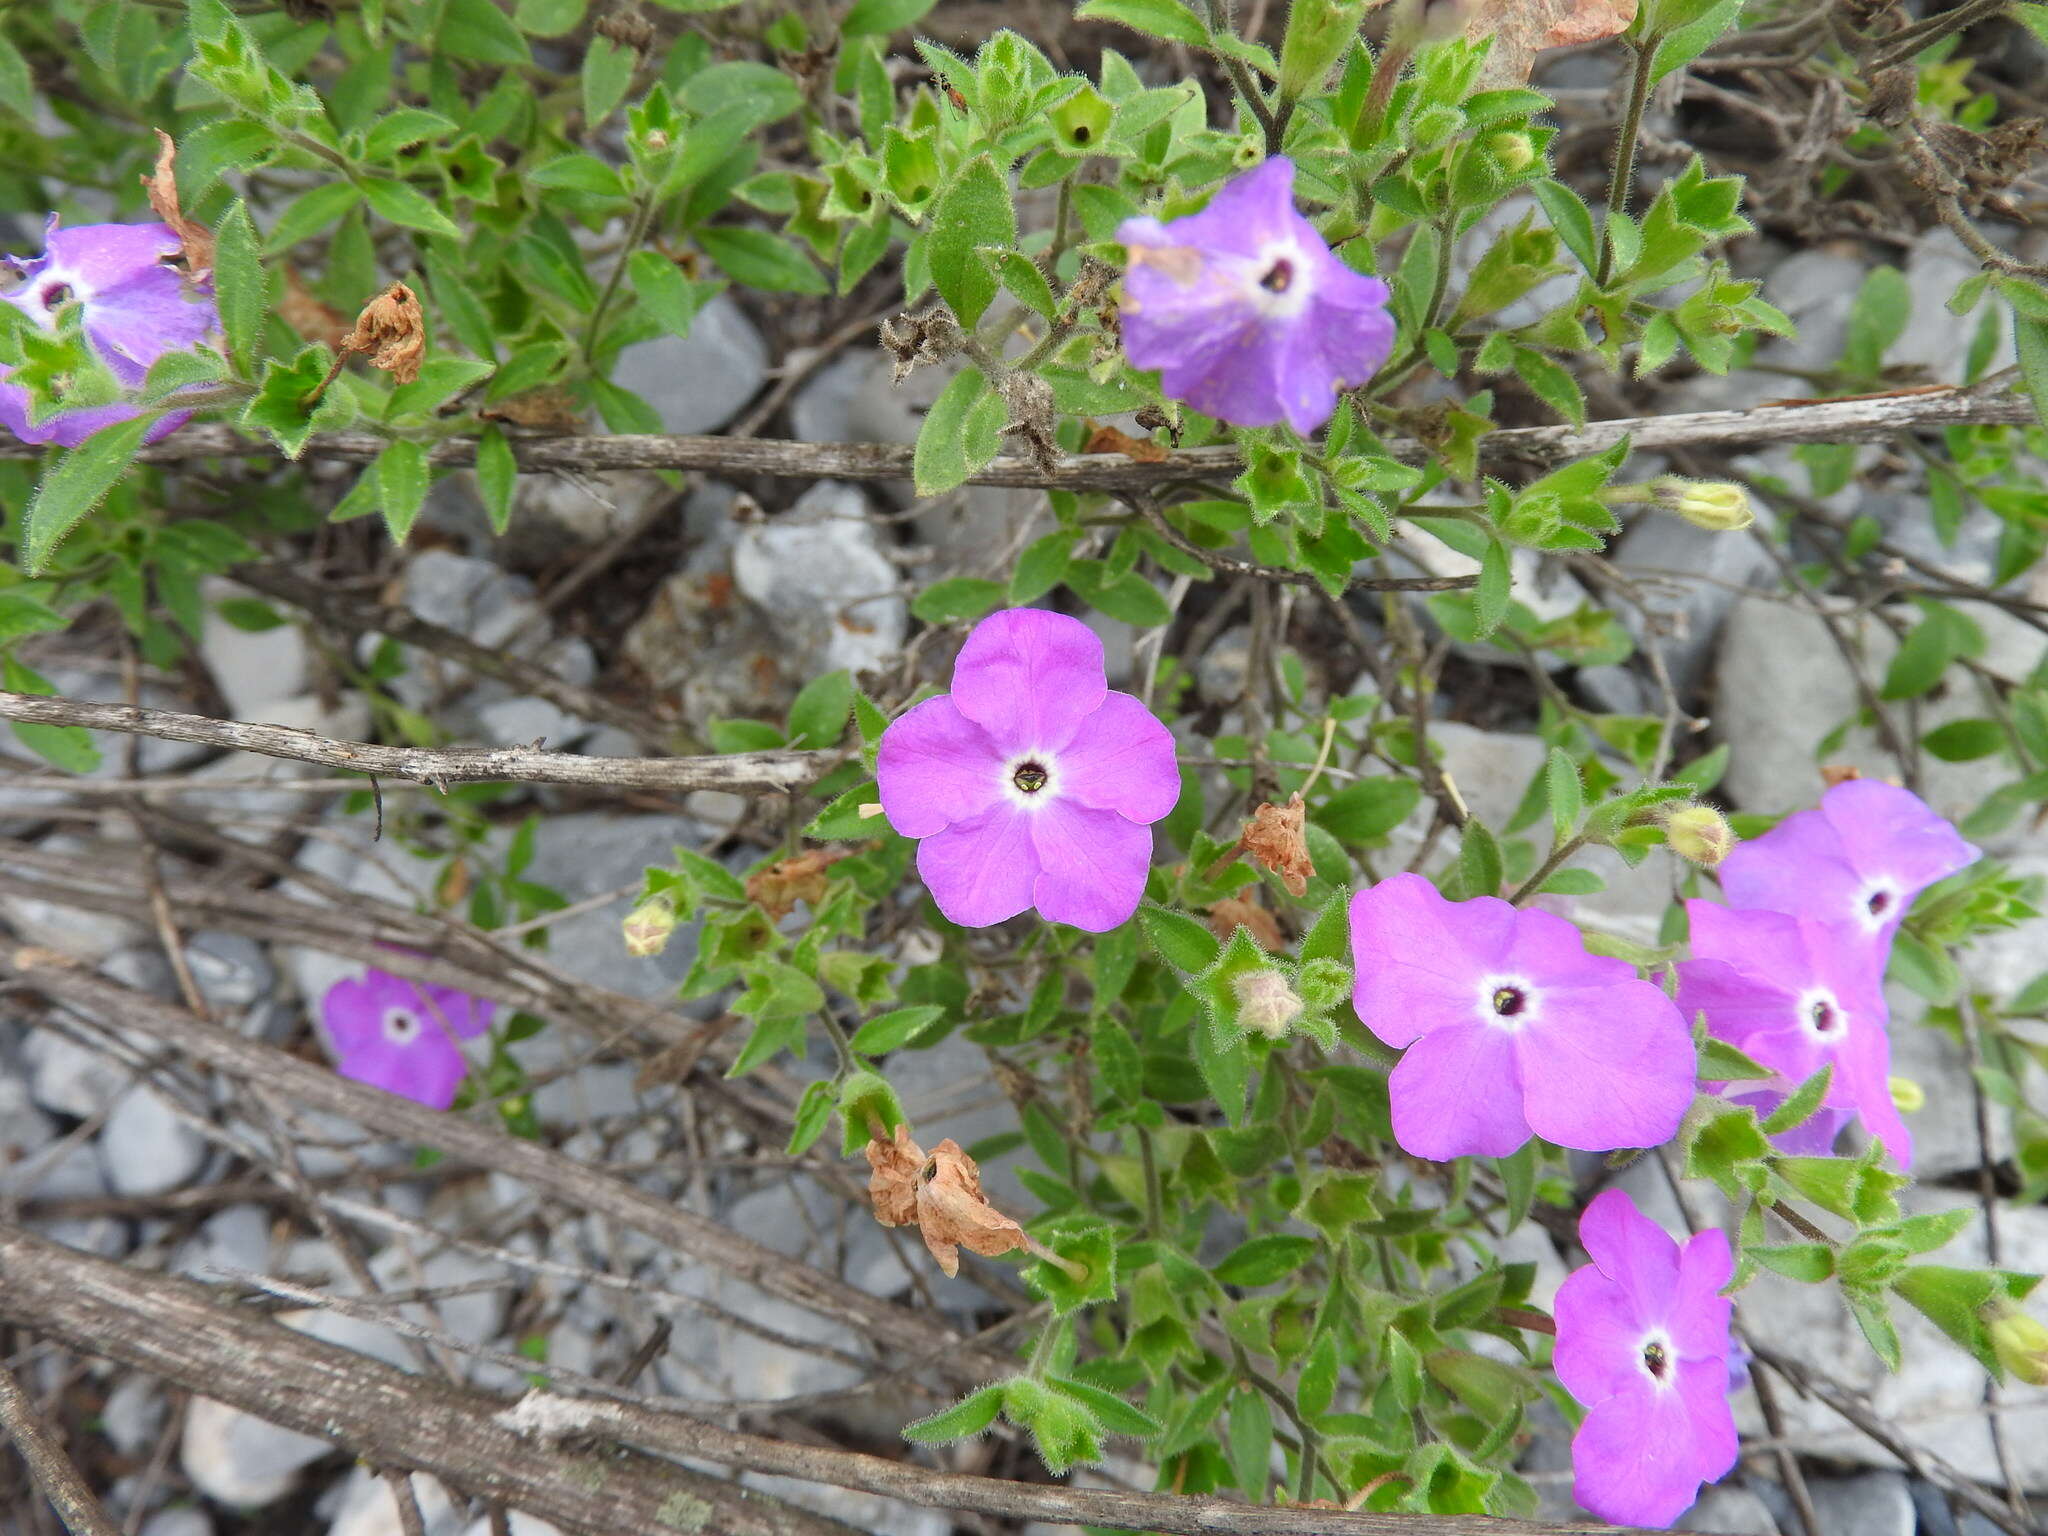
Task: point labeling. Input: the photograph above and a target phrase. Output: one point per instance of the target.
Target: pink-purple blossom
(1643, 1344)
(1860, 858)
(1796, 994)
(133, 308)
(402, 1035)
(1033, 783)
(1511, 1028)
(1246, 312)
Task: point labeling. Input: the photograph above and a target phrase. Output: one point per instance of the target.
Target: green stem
(1311, 1442)
(1623, 180)
(1550, 866)
(1042, 1351)
(636, 235)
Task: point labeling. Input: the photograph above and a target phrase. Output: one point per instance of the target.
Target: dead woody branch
(1858, 419)
(736, 773)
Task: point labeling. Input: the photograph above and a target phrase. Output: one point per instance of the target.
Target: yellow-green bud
(1715, 505)
(1265, 1002)
(1699, 834)
(2019, 1341)
(647, 926)
(1908, 1097)
(1515, 152)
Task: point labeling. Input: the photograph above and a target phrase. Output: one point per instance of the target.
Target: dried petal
(1276, 837)
(778, 888)
(892, 1187)
(162, 187)
(1233, 913)
(1111, 440)
(1520, 29)
(955, 1214)
(312, 318)
(392, 331)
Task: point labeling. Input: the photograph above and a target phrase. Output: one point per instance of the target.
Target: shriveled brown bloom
(162, 186)
(1521, 29)
(1276, 837)
(1832, 774)
(1106, 439)
(941, 1192)
(892, 1187)
(392, 331)
(308, 315)
(954, 1214)
(1233, 913)
(778, 888)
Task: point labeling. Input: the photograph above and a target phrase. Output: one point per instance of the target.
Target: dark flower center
(1825, 1020)
(1879, 903)
(1030, 777)
(1278, 276)
(1081, 133)
(1508, 1001)
(401, 1027)
(55, 294)
(1655, 1357)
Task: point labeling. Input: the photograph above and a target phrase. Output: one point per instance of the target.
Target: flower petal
(427, 1071)
(936, 767)
(1458, 1092)
(1631, 1250)
(1029, 678)
(1121, 759)
(1703, 1385)
(1091, 865)
(1606, 1067)
(980, 871)
(1891, 831)
(136, 322)
(1599, 1337)
(1799, 865)
(1699, 1316)
(1636, 1459)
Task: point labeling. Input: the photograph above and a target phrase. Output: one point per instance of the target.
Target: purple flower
(1512, 1028)
(1860, 859)
(1642, 1342)
(1246, 312)
(1032, 783)
(1797, 994)
(401, 1035)
(134, 308)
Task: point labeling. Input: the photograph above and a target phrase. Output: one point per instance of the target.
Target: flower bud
(657, 141)
(1265, 1002)
(1908, 1097)
(1699, 834)
(1325, 983)
(2019, 1341)
(1715, 505)
(1515, 152)
(647, 926)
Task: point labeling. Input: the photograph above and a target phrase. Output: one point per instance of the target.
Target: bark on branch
(575, 1461)
(1863, 418)
(736, 773)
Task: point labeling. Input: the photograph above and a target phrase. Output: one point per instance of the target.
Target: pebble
(67, 1078)
(819, 576)
(147, 1147)
(522, 722)
(133, 1415)
(1875, 1504)
(239, 1460)
(185, 1520)
(473, 597)
(252, 668)
(364, 1505)
(698, 383)
(1729, 1510)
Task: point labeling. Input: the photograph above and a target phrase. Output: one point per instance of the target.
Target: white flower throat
(1031, 780)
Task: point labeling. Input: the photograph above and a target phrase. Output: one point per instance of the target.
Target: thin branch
(1860, 418)
(1231, 566)
(48, 1465)
(736, 773)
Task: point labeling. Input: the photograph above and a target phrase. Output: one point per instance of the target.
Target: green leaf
(607, 75)
(1938, 639)
(395, 131)
(970, 1416)
(892, 1031)
(1181, 941)
(1808, 1263)
(1479, 861)
(1129, 597)
(1265, 1260)
(1567, 795)
(1368, 809)
(578, 173)
(402, 480)
(477, 30)
(397, 203)
(1721, 1062)
(1041, 567)
(958, 599)
(67, 748)
(879, 18)
(762, 260)
(241, 286)
(972, 210)
(21, 615)
(1964, 741)
(74, 485)
(813, 1115)
(1490, 600)
(1249, 1431)
(818, 716)
(310, 214)
(664, 292)
(842, 819)
(960, 434)
(2030, 341)
(17, 84)
(867, 1108)
(497, 475)
(1156, 18)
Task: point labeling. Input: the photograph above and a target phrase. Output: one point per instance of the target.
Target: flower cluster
(402, 1036)
(1791, 972)
(134, 305)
